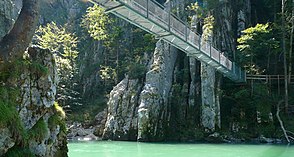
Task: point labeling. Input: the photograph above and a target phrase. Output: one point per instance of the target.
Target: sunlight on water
(136, 149)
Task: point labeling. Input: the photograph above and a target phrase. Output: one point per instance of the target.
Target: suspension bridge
(156, 19)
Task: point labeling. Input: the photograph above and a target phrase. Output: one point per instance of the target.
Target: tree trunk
(285, 55)
(281, 122)
(291, 43)
(14, 44)
(217, 100)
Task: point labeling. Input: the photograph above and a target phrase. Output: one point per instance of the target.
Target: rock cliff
(152, 112)
(138, 110)
(180, 97)
(38, 121)
(122, 115)
(31, 123)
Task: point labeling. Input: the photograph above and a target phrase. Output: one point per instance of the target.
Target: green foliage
(107, 72)
(249, 36)
(136, 71)
(8, 113)
(197, 10)
(59, 110)
(252, 110)
(267, 130)
(57, 39)
(122, 58)
(19, 152)
(208, 27)
(57, 119)
(86, 113)
(255, 43)
(95, 21)
(39, 131)
(202, 12)
(38, 69)
(64, 45)
(53, 121)
(12, 70)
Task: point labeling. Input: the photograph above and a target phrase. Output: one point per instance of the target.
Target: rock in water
(208, 113)
(121, 121)
(154, 96)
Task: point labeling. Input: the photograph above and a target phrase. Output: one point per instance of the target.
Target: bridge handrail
(181, 28)
(156, 12)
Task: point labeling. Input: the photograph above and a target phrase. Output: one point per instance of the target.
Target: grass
(39, 131)
(19, 152)
(8, 114)
(38, 69)
(55, 120)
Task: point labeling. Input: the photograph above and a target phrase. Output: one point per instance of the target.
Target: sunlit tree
(95, 21)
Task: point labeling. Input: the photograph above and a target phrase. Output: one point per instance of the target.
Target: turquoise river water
(136, 149)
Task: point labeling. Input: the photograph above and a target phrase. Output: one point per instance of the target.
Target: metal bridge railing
(168, 21)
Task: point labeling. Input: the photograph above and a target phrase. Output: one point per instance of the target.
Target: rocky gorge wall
(138, 111)
(38, 124)
(180, 97)
(31, 123)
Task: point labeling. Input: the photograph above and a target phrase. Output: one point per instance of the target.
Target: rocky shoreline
(77, 132)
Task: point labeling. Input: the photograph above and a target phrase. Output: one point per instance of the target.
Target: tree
(95, 21)
(14, 44)
(285, 56)
(208, 27)
(59, 41)
(291, 42)
(64, 46)
(255, 43)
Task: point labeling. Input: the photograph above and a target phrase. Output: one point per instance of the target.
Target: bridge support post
(240, 73)
(200, 42)
(147, 9)
(186, 30)
(169, 15)
(210, 49)
(233, 69)
(219, 58)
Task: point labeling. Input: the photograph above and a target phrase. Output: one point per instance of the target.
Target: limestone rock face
(208, 109)
(154, 96)
(38, 92)
(6, 141)
(122, 114)
(138, 110)
(38, 96)
(9, 11)
(41, 120)
(100, 120)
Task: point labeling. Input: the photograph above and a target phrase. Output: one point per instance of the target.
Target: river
(137, 149)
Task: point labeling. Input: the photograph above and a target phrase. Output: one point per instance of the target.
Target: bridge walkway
(153, 18)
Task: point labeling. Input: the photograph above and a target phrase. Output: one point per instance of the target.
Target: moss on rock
(39, 131)
(19, 152)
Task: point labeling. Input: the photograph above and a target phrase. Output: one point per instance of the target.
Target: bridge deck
(153, 18)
